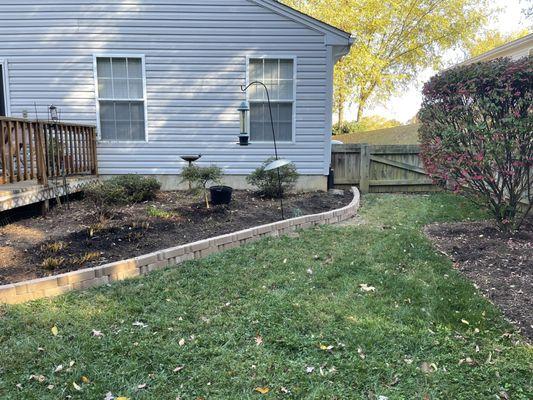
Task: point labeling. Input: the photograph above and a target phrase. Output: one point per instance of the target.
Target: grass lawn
(287, 316)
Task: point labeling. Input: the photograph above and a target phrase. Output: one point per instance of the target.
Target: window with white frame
(121, 98)
(278, 76)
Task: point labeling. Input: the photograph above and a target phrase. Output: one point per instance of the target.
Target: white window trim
(97, 97)
(295, 84)
(5, 83)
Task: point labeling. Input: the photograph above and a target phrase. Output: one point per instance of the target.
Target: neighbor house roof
(334, 35)
(517, 48)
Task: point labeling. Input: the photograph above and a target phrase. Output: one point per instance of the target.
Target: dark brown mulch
(500, 265)
(84, 241)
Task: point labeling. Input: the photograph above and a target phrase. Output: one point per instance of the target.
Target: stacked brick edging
(86, 278)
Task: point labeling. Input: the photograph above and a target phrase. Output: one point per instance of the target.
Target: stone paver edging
(90, 277)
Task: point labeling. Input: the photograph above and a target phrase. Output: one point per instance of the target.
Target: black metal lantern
(52, 112)
(244, 111)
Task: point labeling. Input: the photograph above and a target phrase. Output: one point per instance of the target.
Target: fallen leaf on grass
(428, 368)
(258, 340)
(182, 342)
(38, 378)
(59, 368)
(50, 387)
(464, 321)
(140, 324)
(122, 398)
(366, 288)
(109, 396)
(142, 386)
(326, 348)
(84, 379)
(262, 390)
(76, 386)
(54, 330)
(467, 360)
(97, 334)
(178, 369)
(361, 353)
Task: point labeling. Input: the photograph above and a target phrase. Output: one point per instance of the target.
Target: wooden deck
(30, 192)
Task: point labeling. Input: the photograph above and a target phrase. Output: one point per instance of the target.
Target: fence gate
(387, 168)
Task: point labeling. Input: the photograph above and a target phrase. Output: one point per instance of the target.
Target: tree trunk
(340, 111)
(360, 109)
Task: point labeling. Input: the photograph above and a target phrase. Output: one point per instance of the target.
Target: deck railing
(41, 150)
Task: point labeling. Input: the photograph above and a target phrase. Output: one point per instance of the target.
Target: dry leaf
(50, 387)
(285, 390)
(59, 368)
(18, 385)
(76, 386)
(309, 369)
(428, 368)
(38, 378)
(182, 342)
(109, 396)
(178, 369)
(97, 334)
(310, 271)
(258, 340)
(361, 353)
(54, 330)
(141, 386)
(464, 321)
(140, 324)
(122, 398)
(365, 288)
(326, 348)
(71, 363)
(84, 379)
(262, 390)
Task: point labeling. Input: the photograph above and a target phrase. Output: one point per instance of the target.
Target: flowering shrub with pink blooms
(477, 135)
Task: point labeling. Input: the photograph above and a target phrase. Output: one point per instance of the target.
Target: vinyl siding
(195, 54)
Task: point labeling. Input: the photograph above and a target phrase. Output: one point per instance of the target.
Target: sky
(403, 107)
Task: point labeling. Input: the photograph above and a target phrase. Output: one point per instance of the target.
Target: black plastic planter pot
(220, 194)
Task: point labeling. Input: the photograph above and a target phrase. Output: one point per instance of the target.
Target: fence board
(380, 168)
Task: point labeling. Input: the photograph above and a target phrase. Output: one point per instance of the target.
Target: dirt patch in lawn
(75, 238)
(501, 266)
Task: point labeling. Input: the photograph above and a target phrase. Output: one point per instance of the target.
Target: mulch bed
(75, 238)
(500, 265)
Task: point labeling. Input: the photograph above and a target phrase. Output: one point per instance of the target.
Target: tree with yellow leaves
(394, 40)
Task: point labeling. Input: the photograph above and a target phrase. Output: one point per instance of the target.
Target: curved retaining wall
(86, 278)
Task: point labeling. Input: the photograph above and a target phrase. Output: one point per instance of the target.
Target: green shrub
(199, 177)
(267, 183)
(137, 188)
(121, 190)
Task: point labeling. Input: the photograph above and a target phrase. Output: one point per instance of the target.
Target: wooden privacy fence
(41, 150)
(386, 168)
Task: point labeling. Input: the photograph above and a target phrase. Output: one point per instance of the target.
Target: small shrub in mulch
(267, 182)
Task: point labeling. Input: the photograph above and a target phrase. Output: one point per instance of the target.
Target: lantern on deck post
(244, 111)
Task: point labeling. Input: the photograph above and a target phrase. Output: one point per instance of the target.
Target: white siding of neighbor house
(195, 53)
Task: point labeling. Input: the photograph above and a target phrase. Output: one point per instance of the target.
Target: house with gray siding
(161, 78)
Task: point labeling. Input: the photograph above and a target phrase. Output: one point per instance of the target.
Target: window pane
(105, 88)
(271, 70)
(119, 68)
(134, 68)
(286, 69)
(136, 88)
(107, 111)
(122, 111)
(108, 131)
(103, 67)
(137, 130)
(120, 88)
(284, 133)
(285, 112)
(256, 70)
(286, 90)
(257, 121)
(137, 111)
(123, 130)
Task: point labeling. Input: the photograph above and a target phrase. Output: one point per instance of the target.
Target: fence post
(364, 180)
